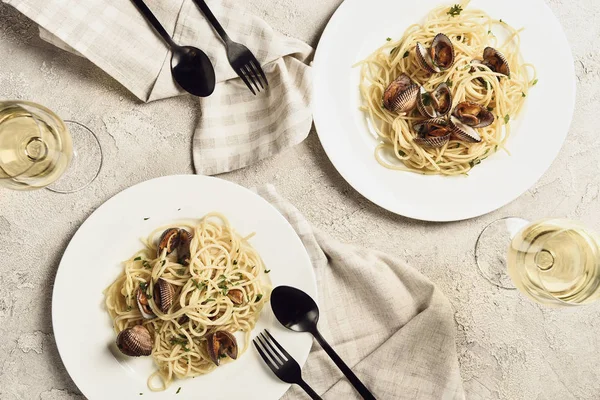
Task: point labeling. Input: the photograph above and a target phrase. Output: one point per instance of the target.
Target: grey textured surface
(509, 348)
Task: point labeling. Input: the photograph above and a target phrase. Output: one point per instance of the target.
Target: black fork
(240, 57)
(281, 362)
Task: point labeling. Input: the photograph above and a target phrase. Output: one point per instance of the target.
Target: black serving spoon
(190, 66)
(298, 312)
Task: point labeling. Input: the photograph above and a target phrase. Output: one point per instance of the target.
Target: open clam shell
(496, 61)
(401, 95)
(435, 132)
(169, 241)
(221, 343)
(135, 342)
(442, 52)
(183, 248)
(463, 132)
(424, 59)
(143, 305)
(164, 295)
(473, 114)
(435, 104)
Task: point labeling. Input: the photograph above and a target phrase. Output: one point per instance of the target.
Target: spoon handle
(358, 385)
(147, 13)
(212, 19)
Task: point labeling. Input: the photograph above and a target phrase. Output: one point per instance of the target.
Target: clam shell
(435, 104)
(496, 61)
(236, 296)
(135, 342)
(463, 132)
(142, 302)
(168, 240)
(434, 132)
(221, 343)
(424, 59)
(442, 52)
(183, 249)
(473, 114)
(164, 294)
(401, 95)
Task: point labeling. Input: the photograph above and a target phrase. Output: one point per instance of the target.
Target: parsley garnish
(146, 264)
(137, 259)
(534, 82)
(178, 390)
(455, 10)
(406, 53)
(475, 162)
(426, 97)
(389, 39)
(211, 299)
(523, 94)
(128, 308)
(401, 153)
(181, 271)
(506, 118)
(182, 342)
(502, 22)
(199, 285)
(146, 219)
(143, 286)
(234, 262)
(163, 263)
(449, 83)
(267, 271)
(258, 298)
(490, 108)
(223, 277)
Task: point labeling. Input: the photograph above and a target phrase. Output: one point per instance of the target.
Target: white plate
(83, 329)
(358, 28)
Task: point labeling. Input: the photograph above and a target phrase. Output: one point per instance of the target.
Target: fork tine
(243, 76)
(285, 353)
(262, 73)
(252, 66)
(271, 350)
(273, 367)
(251, 77)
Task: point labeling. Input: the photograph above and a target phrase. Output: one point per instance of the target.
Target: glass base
(491, 250)
(86, 162)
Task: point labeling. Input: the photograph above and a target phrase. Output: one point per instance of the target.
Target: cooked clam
(401, 95)
(439, 57)
(144, 305)
(437, 103)
(135, 342)
(164, 294)
(463, 132)
(183, 249)
(221, 343)
(496, 61)
(434, 132)
(236, 296)
(473, 114)
(168, 241)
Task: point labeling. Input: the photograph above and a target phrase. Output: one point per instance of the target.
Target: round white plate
(358, 28)
(83, 329)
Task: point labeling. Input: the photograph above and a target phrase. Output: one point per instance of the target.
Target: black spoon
(298, 312)
(190, 66)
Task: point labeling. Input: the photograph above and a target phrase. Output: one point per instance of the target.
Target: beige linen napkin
(234, 128)
(388, 322)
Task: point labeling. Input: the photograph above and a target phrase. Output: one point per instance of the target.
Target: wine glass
(40, 150)
(553, 261)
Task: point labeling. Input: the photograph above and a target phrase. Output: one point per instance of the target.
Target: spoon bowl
(294, 309)
(193, 71)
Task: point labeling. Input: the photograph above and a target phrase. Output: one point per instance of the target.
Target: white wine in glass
(38, 150)
(555, 262)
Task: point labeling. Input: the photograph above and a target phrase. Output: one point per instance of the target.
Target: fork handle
(212, 19)
(309, 391)
(358, 385)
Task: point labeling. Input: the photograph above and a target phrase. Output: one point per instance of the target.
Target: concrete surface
(509, 348)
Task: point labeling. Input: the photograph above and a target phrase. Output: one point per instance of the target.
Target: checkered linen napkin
(235, 128)
(388, 322)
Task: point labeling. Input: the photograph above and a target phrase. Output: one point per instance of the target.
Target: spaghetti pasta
(221, 290)
(470, 32)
